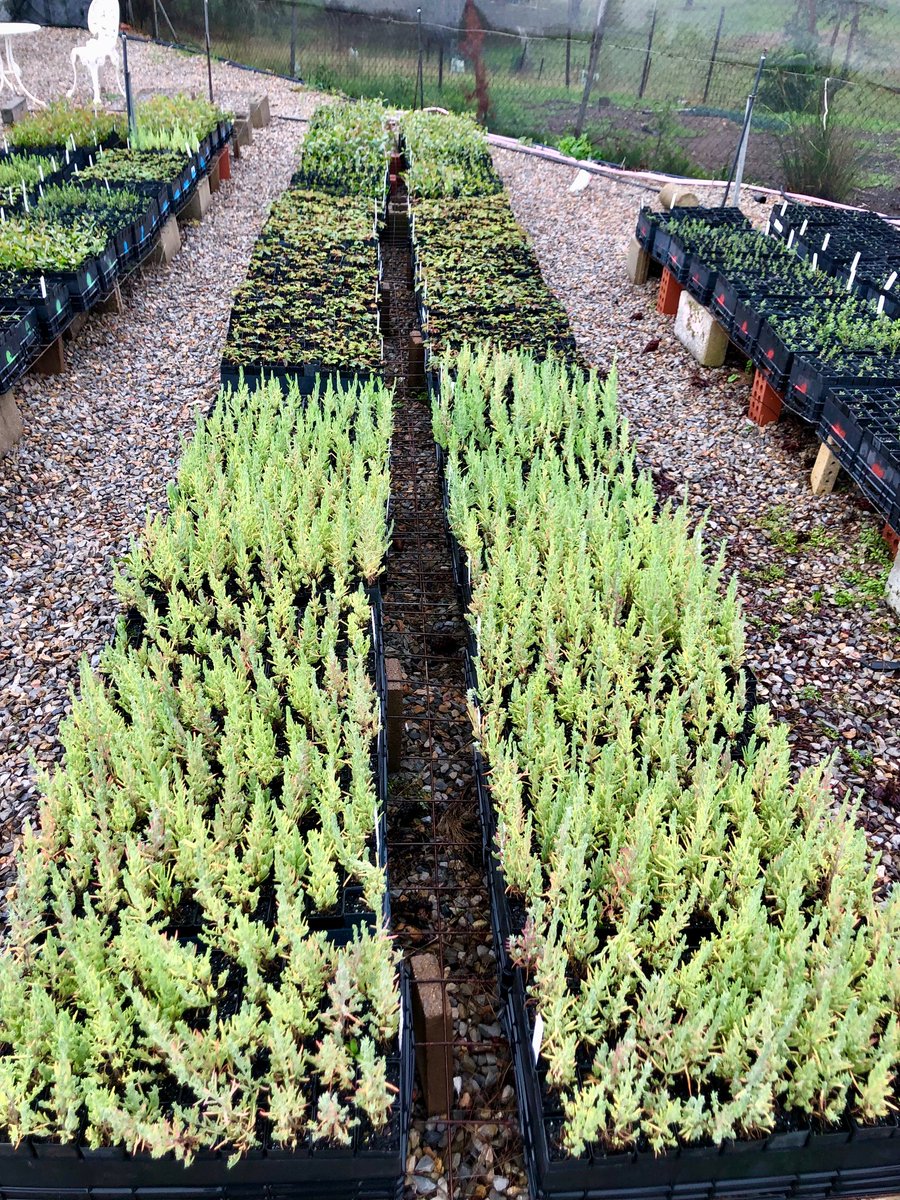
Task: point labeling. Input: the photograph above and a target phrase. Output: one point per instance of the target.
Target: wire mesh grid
(464, 1138)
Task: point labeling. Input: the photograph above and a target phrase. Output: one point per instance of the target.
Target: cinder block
(243, 132)
(259, 111)
(892, 588)
(434, 1032)
(13, 109)
(198, 205)
(699, 332)
(637, 262)
(10, 423)
(825, 471)
(169, 242)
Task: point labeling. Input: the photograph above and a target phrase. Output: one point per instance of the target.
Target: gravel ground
(811, 569)
(102, 440)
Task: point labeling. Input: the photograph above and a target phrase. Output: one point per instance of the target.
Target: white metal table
(10, 71)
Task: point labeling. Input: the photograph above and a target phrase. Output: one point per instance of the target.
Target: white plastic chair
(102, 47)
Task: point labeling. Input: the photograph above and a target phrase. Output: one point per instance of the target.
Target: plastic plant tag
(815, 261)
(881, 303)
(826, 239)
(377, 833)
(803, 226)
(537, 1036)
(778, 225)
(90, 160)
(891, 280)
(784, 209)
(43, 287)
(790, 240)
(400, 1029)
(41, 172)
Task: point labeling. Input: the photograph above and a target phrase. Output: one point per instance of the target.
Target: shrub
(820, 157)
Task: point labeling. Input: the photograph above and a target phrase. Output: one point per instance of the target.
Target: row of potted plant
(345, 150)
(477, 276)
(163, 989)
(855, 246)
(447, 156)
(700, 954)
(309, 302)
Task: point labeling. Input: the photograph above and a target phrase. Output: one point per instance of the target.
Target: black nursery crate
(305, 378)
(878, 457)
(19, 336)
(371, 1168)
(646, 230)
(108, 265)
(811, 378)
(50, 301)
(848, 1162)
(84, 286)
(701, 279)
(840, 424)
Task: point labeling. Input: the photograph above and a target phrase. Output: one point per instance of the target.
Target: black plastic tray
(52, 1171)
(856, 1162)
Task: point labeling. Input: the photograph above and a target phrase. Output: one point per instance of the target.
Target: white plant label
(778, 225)
(825, 240)
(400, 1029)
(377, 833)
(803, 226)
(891, 280)
(815, 262)
(790, 239)
(881, 303)
(537, 1037)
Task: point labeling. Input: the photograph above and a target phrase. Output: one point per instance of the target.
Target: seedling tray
(848, 1162)
(811, 378)
(647, 228)
(371, 1168)
(53, 310)
(18, 338)
(305, 377)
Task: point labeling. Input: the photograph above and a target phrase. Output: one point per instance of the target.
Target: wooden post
(113, 302)
(440, 66)
(293, 41)
(396, 689)
(592, 64)
(715, 51)
(53, 360)
(645, 74)
(434, 1030)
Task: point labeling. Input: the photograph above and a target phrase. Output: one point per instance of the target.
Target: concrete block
(259, 111)
(198, 205)
(243, 132)
(637, 262)
(13, 109)
(53, 359)
(825, 471)
(396, 689)
(10, 423)
(434, 1033)
(892, 587)
(700, 332)
(169, 242)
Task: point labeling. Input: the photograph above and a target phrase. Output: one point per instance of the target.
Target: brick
(669, 294)
(699, 332)
(765, 403)
(891, 539)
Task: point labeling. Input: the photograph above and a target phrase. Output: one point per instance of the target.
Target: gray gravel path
(811, 568)
(102, 440)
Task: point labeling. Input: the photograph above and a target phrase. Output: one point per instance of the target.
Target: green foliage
(821, 157)
(222, 757)
(62, 123)
(793, 78)
(174, 122)
(125, 165)
(479, 277)
(17, 169)
(31, 243)
(309, 296)
(345, 150)
(448, 156)
(702, 926)
(576, 147)
(109, 208)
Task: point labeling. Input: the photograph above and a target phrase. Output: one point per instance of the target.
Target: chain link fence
(667, 90)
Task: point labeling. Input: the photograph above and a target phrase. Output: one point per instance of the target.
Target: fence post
(294, 41)
(208, 56)
(568, 55)
(155, 22)
(440, 66)
(419, 98)
(715, 50)
(592, 64)
(645, 74)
